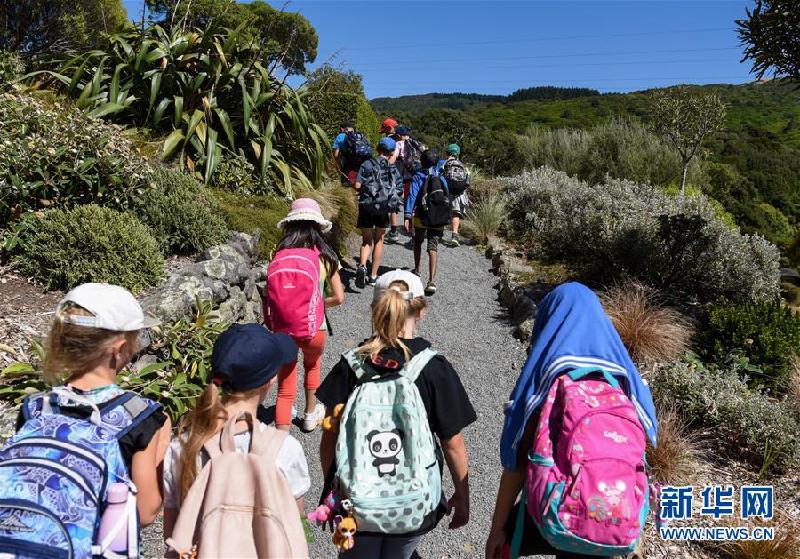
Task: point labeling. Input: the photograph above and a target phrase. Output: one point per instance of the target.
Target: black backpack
(379, 194)
(357, 148)
(412, 155)
(457, 177)
(433, 207)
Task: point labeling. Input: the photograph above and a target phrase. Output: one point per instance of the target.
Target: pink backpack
(293, 303)
(587, 487)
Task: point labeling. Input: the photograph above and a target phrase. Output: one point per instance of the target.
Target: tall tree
(771, 36)
(33, 27)
(286, 39)
(685, 118)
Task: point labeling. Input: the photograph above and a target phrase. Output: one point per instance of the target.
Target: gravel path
(468, 326)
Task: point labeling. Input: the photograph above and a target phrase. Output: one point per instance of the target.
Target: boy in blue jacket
(430, 163)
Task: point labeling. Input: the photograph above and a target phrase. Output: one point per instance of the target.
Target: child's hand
(495, 544)
(408, 225)
(459, 506)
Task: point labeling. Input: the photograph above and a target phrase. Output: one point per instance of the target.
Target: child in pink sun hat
(303, 252)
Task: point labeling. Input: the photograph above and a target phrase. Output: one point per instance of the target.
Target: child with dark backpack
(350, 149)
(83, 464)
(244, 479)
(574, 439)
(302, 281)
(380, 193)
(396, 412)
(458, 179)
(428, 205)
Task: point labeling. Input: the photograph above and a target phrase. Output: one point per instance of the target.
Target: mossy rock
(253, 213)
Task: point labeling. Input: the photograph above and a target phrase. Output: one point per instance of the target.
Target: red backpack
(293, 303)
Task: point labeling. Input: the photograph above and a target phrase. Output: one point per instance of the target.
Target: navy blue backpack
(55, 473)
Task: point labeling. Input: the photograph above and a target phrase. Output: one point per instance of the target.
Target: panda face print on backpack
(385, 446)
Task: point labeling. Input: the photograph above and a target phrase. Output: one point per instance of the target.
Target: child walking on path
(380, 190)
(304, 258)
(458, 180)
(93, 337)
(428, 205)
(245, 362)
(405, 411)
(573, 341)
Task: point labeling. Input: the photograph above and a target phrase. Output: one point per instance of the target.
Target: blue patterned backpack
(386, 461)
(55, 472)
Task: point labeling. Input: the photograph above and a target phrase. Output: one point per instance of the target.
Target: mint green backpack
(385, 455)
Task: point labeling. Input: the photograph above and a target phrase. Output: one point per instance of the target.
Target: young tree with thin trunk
(685, 118)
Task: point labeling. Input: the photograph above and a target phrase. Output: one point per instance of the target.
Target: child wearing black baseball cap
(245, 362)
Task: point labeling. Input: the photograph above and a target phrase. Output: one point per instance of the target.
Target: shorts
(368, 220)
(433, 235)
(459, 204)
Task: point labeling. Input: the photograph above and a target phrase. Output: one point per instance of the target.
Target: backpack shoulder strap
(136, 407)
(414, 367)
(356, 363)
(32, 405)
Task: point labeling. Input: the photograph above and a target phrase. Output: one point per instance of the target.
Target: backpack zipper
(263, 511)
(89, 455)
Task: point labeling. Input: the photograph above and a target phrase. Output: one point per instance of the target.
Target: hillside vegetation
(752, 167)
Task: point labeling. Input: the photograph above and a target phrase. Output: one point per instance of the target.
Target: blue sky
(499, 46)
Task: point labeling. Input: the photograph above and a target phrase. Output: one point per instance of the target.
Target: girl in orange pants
(287, 385)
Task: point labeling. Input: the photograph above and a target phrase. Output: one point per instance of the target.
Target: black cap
(247, 356)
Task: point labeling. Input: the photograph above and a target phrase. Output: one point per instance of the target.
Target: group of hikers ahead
(91, 463)
(405, 176)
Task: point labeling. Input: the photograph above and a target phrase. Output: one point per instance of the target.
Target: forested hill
(752, 166)
(466, 101)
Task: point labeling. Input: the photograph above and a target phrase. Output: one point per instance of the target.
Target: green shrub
(237, 174)
(181, 214)
(253, 213)
(767, 333)
(90, 244)
(183, 354)
(330, 109)
(622, 229)
(751, 424)
(11, 68)
(57, 156)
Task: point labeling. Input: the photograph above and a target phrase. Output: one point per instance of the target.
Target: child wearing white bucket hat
(304, 228)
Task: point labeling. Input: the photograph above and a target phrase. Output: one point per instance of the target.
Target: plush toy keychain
(325, 511)
(331, 422)
(344, 536)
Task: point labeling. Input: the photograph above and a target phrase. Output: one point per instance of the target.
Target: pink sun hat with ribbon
(306, 209)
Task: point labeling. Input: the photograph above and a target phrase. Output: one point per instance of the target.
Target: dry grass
(651, 332)
(785, 545)
(484, 218)
(674, 459)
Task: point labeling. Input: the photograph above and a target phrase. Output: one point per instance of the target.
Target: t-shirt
(340, 141)
(446, 402)
(135, 441)
(291, 461)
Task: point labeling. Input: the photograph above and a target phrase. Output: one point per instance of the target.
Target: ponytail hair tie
(217, 381)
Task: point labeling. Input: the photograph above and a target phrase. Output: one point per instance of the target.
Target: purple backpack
(587, 487)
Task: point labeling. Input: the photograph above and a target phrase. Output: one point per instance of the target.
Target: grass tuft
(484, 217)
(673, 460)
(785, 544)
(652, 332)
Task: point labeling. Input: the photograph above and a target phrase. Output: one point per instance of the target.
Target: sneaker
(372, 280)
(430, 289)
(311, 420)
(452, 243)
(361, 276)
(392, 236)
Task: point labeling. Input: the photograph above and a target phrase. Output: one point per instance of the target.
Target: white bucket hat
(306, 209)
(112, 307)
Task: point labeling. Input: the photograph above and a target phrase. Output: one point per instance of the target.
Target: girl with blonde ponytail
(398, 305)
(245, 363)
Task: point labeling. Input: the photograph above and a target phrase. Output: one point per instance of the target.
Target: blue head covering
(571, 331)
